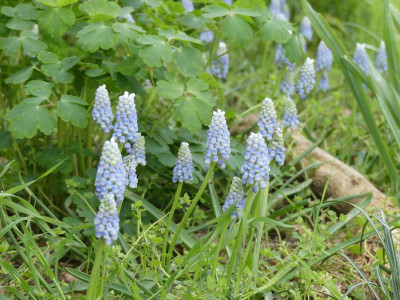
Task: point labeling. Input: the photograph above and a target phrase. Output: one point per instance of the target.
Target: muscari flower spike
(130, 170)
(290, 117)
(276, 148)
(381, 59)
(218, 140)
(220, 66)
(102, 111)
(106, 222)
(126, 126)
(183, 170)
(236, 196)
(287, 84)
(306, 28)
(324, 58)
(267, 121)
(188, 5)
(110, 177)
(280, 58)
(361, 58)
(229, 2)
(206, 36)
(275, 7)
(324, 82)
(306, 79)
(138, 150)
(255, 169)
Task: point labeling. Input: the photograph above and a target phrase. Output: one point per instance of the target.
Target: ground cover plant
(148, 149)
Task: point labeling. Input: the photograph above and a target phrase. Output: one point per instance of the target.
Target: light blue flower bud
(126, 126)
(267, 120)
(275, 7)
(188, 5)
(324, 58)
(281, 60)
(110, 177)
(106, 222)
(361, 58)
(287, 83)
(255, 169)
(324, 82)
(236, 196)
(290, 117)
(183, 170)
(207, 36)
(130, 170)
(381, 59)
(306, 28)
(276, 148)
(220, 66)
(306, 80)
(138, 149)
(218, 140)
(229, 2)
(102, 112)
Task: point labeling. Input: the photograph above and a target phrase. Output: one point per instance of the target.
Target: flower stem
(188, 213)
(91, 291)
(169, 221)
(218, 248)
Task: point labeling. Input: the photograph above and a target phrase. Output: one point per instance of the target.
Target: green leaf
(155, 52)
(127, 31)
(51, 3)
(95, 36)
(293, 49)
(123, 11)
(31, 44)
(17, 23)
(61, 3)
(56, 21)
(100, 9)
(26, 11)
(39, 88)
(20, 76)
(70, 109)
(171, 90)
(27, 117)
(10, 45)
(188, 61)
(246, 12)
(194, 108)
(170, 34)
(235, 30)
(8, 11)
(47, 57)
(213, 11)
(58, 70)
(277, 30)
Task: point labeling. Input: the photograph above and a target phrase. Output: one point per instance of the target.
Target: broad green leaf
(51, 3)
(47, 57)
(213, 11)
(293, 49)
(58, 70)
(39, 88)
(31, 44)
(155, 52)
(17, 23)
(100, 9)
(8, 11)
(56, 21)
(95, 36)
(235, 30)
(252, 4)
(171, 90)
(94, 72)
(192, 21)
(127, 31)
(61, 3)
(277, 30)
(26, 11)
(20, 76)
(246, 12)
(170, 34)
(188, 61)
(27, 117)
(123, 11)
(71, 109)
(10, 45)
(128, 67)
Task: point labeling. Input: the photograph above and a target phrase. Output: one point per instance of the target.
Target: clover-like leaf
(155, 50)
(71, 109)
(170, 34)
(214, 11)
(17, 23)
(276, 30)
(293, 49)
(188, 61)
(127, 31)
(101, 10)
(56, 21)
(20, 76)
(58, 70)
(235, 30)
(26, 11)
(169, 89)
(31, 44)
(28, 117)
(39, 88)
(94, 36)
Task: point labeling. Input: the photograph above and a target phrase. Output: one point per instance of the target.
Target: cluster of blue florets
(267, 121)
(218, 140)
(281, 60)
(324, 82)
(279, 8)
(361, 58)
(276, 149)
(306, 80)
(324, 58)
(287, 84)
(126, 126)
(188, 5)
(111, 176)
(236, 196)
(306, 28)
(381, 58)
(102, 112)
(220, 66)
(183, 170)
(290, 118)
(106, 221)
(138, 150)
(130, 169)
(207, 36)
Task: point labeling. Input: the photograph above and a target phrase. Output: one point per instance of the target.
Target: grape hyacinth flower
(324, 58)
(138, 150)
(287, 84)
(130, 170)
(267, 121)
(275, 7)
(218, 140)
(188, 5)
(102, 112)
(183, 170)
(324, 82)
(361, 58)
(381, 59)
(290, 117)
(220, 66)
(236, 196)
(306, 28)
(277, 149)
(110, 177)
(207, 36)
(280, 58)
(306, 79)
(106, 222)
(126, 127)
(229, 2)
(255, 169)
